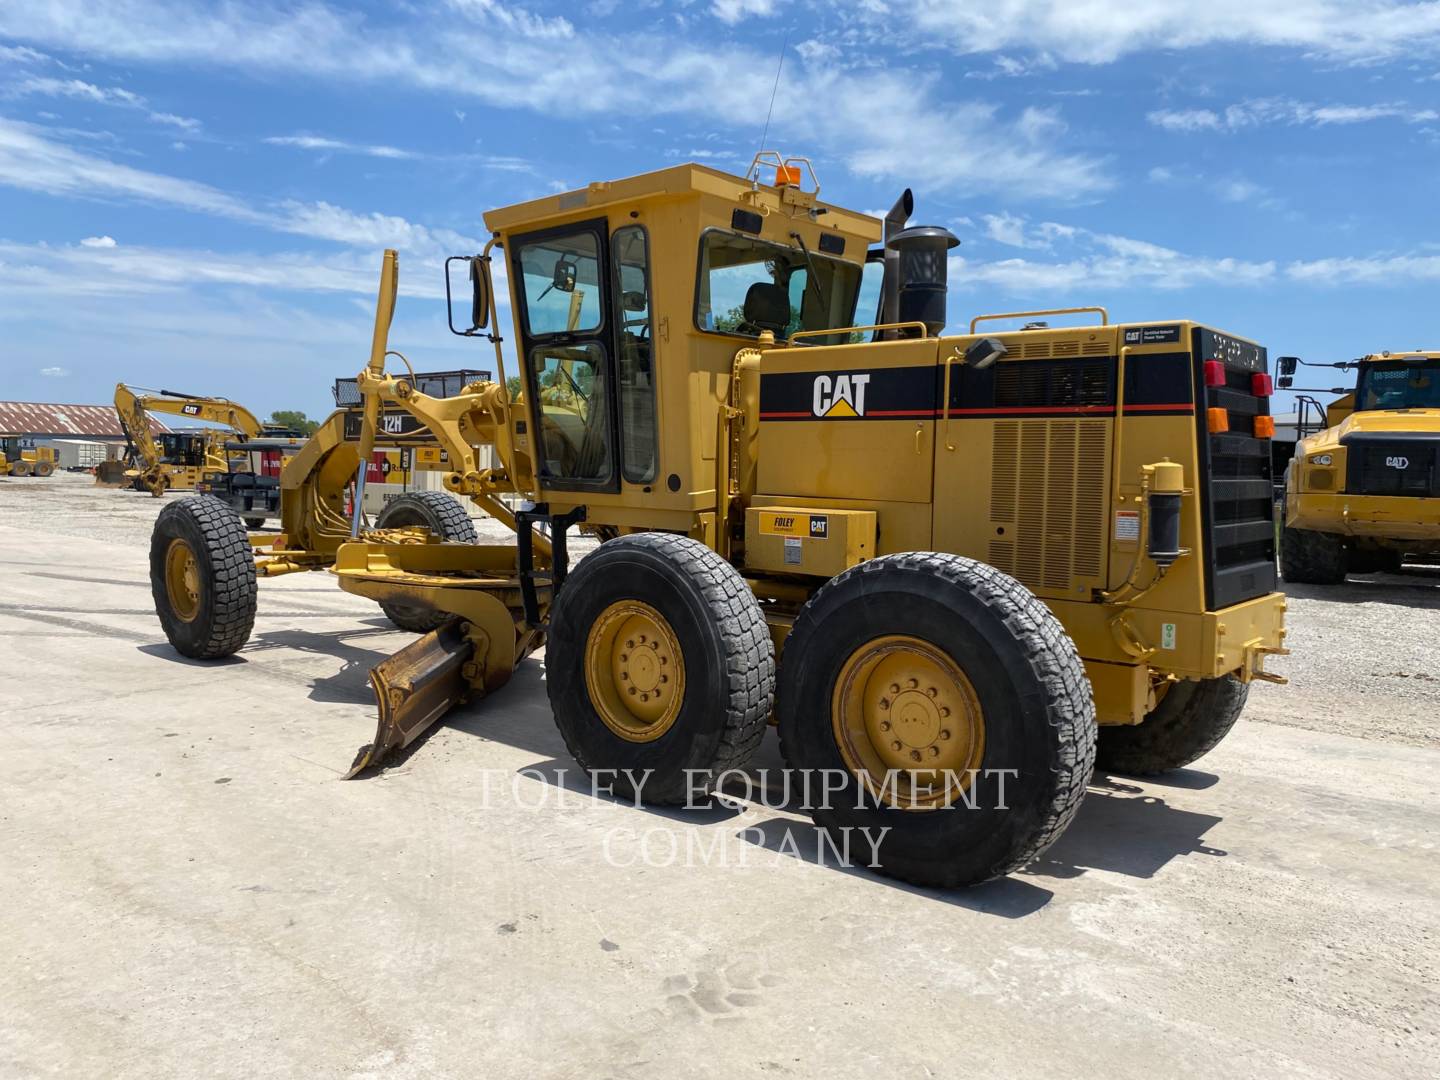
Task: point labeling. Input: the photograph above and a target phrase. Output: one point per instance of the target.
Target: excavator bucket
(111, 474)
(415, 688)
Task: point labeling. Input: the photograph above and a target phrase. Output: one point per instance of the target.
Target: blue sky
(195, 197)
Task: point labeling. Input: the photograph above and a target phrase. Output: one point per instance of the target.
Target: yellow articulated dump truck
(1363, 492)
(19, 456)
(949, 568)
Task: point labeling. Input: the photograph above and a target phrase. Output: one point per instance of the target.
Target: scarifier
(945, 565)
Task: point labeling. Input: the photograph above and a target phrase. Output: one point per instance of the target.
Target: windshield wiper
(810, 266)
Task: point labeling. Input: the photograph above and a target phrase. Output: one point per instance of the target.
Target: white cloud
(31, 161)
(1373, 270)
(79, 89)
(732, 11)
(54, 372)
(1100, 31)
(98, 242)
(514, 19)
(1259, 112)
(1015, 231)
(1239, 190)
(873, 118)
(320, 142)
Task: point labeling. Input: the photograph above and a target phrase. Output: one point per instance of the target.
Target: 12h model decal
(840, 395)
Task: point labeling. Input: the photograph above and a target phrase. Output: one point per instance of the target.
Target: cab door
(561, 286)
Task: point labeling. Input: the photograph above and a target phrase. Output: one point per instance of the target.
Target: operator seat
(767, 307)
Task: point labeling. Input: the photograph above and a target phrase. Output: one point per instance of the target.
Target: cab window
(574, 410)
(636, 355)
(560, 282)
(747, 286)
(1400, 384)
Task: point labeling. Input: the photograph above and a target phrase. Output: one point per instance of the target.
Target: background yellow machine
(17, 459)
(178, 461)
(1363, 492)
(935, 561)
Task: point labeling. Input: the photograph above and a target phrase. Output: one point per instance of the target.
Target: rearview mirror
(563, 279)
(1286, 364)
(1285, 382)
(480, 291)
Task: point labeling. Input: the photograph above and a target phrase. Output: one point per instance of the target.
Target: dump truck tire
(1188, 723)
(443, 515)
(669, 619)
(202, 575)
(1312, 558)
(20, 468)
(943, 658)
(44, 468)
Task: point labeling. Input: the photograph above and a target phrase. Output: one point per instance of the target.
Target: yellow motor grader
(20, 457)
(946, 566)
(177, 461)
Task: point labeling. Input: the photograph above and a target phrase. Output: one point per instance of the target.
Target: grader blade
(415, 688)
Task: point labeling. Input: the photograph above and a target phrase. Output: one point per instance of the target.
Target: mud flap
(415, 688)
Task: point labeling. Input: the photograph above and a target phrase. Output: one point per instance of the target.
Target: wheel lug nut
(913, 683)
(945, 733)
(884, 703)
(644, 697)
(630, 644)
(944, 710)
(894, 688)
(934, 751)
(932, 692)
(641, 639)
(624, 676)
(664, 678)
(895, 745)
(624, 656)
(884, 725)
(914, 755)
(632, 691)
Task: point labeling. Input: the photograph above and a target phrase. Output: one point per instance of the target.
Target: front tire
(444, 516)
(953, 672)
(659, 661)
(1189, 722)
(1312, 558)
(202, 576)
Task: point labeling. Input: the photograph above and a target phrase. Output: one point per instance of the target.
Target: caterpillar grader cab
(19, 456)
(944, 565)
(1363, 493)
(177, 461)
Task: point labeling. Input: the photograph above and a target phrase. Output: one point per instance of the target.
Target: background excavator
(178, 461)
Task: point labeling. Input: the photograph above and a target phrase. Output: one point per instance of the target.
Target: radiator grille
(1057, 348)
(1048, 495)
(1035, 385)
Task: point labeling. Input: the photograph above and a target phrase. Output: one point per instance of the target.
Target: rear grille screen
(1048, 493)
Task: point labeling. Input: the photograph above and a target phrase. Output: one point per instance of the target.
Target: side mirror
(981, 354)
(1284, 382)
(563, 278)
(632, 300)
(1286, 365)
(480, 291)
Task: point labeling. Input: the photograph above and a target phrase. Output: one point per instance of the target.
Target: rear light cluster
(1261, 386)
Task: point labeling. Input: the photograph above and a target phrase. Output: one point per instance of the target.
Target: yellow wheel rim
(634, 671)
(182, 580)
(908, 722)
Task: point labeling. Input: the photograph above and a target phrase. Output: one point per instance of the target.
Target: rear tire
(1033, 746)
(444, 516)
(639, 607)
(1188, 723)
(44, 468)
(1312, 558)
(202, 576)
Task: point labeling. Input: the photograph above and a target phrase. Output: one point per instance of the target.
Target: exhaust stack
(890, 286)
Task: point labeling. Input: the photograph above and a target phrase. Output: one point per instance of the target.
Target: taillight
(1261, 385)
(1214, 373)
(1264, 425)
(1217, 420)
